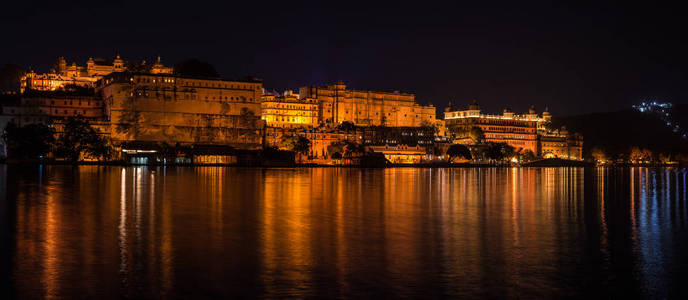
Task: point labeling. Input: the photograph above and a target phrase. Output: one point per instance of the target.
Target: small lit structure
(401, 154)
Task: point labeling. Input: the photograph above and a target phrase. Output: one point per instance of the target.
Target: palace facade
(84, 76)
(560, 144)
(159, 108)
(46, 107)
(338, 104)
(289, 110)
(524, 132)
(519, 131)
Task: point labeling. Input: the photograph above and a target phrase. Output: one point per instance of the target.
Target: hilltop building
(84, 76)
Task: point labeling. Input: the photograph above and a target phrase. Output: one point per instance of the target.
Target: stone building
(84, 76)
(46, 107)
(560, 144)
(338, 104)
(289, 110)
(519, 131)
(529, 131)
(164, 108)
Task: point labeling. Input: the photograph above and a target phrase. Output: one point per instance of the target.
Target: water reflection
(142, 232)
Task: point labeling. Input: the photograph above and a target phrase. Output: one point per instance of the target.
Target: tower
(118, 64)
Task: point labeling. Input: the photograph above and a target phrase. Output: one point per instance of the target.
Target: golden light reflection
(143, 232)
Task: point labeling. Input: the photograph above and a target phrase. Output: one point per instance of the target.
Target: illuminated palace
(157, 108)
(367, 108)
(524, 132)
(62, 74)
(289, 110)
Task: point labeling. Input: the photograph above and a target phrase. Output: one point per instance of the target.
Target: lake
(183, 232)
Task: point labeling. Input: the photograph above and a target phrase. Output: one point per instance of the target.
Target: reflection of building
(289, 110)
(176, 109)
(519, 131)
(63, 75)
(337, 104)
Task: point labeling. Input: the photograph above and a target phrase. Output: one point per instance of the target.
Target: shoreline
(419, 166)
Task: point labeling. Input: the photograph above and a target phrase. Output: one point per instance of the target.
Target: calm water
(138, 232)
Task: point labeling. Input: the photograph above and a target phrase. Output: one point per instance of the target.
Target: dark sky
(576, 58)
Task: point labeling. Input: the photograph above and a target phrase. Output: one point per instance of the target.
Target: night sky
(576, 58)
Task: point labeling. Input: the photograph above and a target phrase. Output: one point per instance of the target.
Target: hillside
(617, 132)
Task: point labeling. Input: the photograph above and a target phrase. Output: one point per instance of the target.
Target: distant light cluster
(663, 112)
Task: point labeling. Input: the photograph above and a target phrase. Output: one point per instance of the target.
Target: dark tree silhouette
(32, 141)
(477, 135)
(78, 138)
(195, 67)
(347, 126)
(10, 77)
(458, 150)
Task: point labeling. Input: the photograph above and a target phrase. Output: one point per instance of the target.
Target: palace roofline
(125, 73)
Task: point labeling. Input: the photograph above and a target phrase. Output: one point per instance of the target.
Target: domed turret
(474, 105)
(340, 85)
(508, 113)
(61, 67)
(532, 111)
(546, 115)
(118, 63)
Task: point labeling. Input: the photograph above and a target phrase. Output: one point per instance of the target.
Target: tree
(335, 148)
(639, 155)
(665, 158)
(10, 77)
(347, 126)
(195, 67)
(636, 154)
(33, 141)
(302, 146)
(299, 144)
(499, 151)
(352, 149)
(458, 150)
(477, 135)
(131, 120)
(138, 66)
(598, 154)
(287, 142)
(247, 118)
(429, 125)
(79, 137)
(527, 155)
